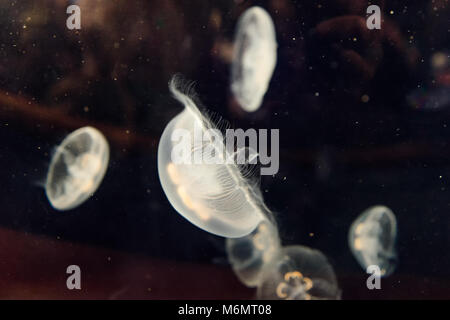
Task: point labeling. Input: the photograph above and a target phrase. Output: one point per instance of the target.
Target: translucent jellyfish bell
(372, 239)
(254, 58)
(300, 273)
(249, 256)
(213, 195)
(77, 168)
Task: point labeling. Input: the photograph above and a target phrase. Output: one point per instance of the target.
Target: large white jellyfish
(372, 239)
(249, 256)
(77, 168)
(300, 273)
(254, 58)
(209, 191)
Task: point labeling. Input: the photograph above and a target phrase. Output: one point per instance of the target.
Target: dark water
(338, 154)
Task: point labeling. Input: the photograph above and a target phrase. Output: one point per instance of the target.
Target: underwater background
(355, 131)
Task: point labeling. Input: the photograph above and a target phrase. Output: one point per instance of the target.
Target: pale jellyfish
(249, 256)
(77, 168)
(213, 193)
(254, 58)
(372, 239)
(299, 273)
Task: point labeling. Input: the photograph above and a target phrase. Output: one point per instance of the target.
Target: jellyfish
(254, 58)
(299, 273)
(431, 99)
(249, 256)
(77, 168)
(372, 239)
(216, 196)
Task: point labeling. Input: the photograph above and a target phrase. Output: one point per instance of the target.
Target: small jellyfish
(372, 239)
(215, 196)
(432, 99)
(300, 273)
(249, 256)
(254, 58)
(77, 168)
